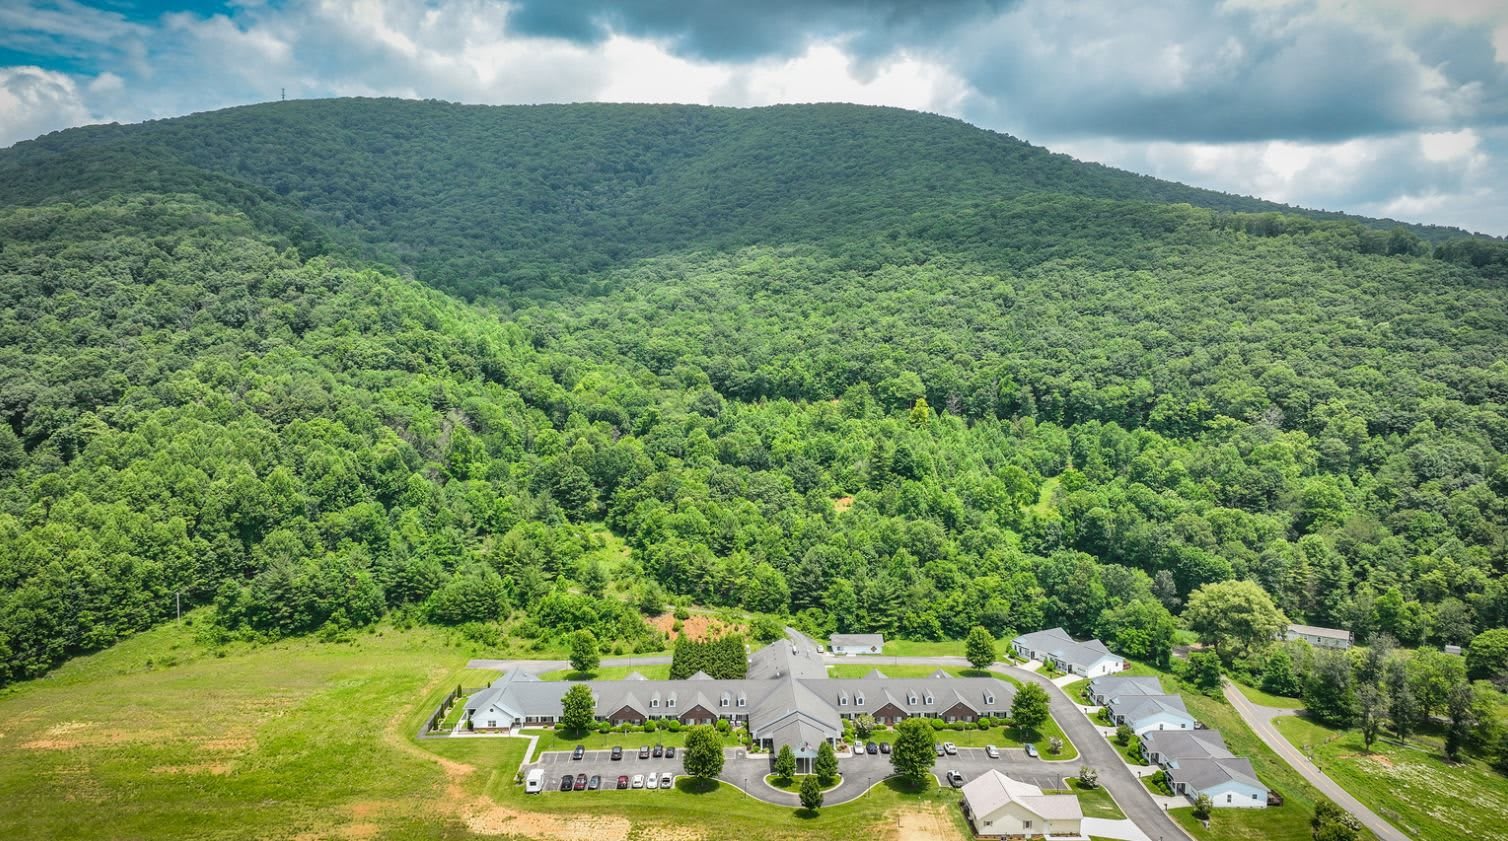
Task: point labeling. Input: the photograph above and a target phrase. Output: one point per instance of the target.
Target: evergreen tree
(811, 794)
(826, 765)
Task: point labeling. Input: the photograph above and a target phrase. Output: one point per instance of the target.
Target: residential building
(1103, 689)
(1169, 747)
(1143, 713)
(786, 699)
(1089, 658)
(998, 806)
(1229, 782)
(852, 644)
(1319, 637)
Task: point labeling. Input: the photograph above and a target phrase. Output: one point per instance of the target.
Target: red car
(622, 782)
(581, 782)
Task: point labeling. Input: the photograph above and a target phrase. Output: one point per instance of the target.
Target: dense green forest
(868, 370)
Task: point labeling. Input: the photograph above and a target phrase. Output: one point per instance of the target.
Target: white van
(535, 781)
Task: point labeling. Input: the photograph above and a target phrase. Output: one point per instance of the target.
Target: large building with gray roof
(786, 699)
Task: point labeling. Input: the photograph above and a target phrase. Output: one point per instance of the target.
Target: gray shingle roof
(1058, 643)
(858, 640)
(1180, 745)
(1201, 774)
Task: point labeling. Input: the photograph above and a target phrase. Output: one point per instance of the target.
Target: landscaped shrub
(723, 726)
(663, 724)
(957, 725)
(938, 724)
(649, 727)
(674, 726)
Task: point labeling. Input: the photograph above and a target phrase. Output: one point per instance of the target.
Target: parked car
(955, 779)
(535, 781)
(622, 781)
(884, 747)
(940, 751)
(580, 782)
(666, 780)
(670, 751)
(659, 751)
(950, 749)
(992, 752)
(638, 781)
(617, 752)
(578, 752)
(1031, 750)
(566, 782)
(644, 752)
(594, 783)
(871, 748)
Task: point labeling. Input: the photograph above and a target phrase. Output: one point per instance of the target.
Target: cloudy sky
(1384, 107)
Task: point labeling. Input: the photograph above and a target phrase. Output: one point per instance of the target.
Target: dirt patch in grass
(697, 626)
(921, 824)
(842, 503)
(484, 817)
(213, 768)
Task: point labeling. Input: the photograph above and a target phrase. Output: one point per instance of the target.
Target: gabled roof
(700, 676)
(1058, 643)
(1136, 707)
(1181, 745)
(1201, 774)
(875, 674)
(992, 790)
(1122, 686)
(796, 656)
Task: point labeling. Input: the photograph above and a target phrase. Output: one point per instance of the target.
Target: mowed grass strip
(1411, 786)
(649, 671)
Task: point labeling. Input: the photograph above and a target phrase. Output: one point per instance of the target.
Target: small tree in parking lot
(1054, 745)
(578, 709)
(914, 752)
(703, 755)
(1089, 777)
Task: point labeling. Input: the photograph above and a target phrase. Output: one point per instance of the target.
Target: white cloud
(34, 101)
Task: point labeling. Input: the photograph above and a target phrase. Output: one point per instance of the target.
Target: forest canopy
(282, 363)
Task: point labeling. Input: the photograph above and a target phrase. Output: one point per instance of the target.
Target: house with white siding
(998, 806)
(1054, 646)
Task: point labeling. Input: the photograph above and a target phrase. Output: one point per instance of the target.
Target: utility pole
(284, 94)
(178, 598)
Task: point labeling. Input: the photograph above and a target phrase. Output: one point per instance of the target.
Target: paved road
(1115, 776)
(1259, 719)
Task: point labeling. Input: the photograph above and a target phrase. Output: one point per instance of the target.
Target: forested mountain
(488, 201)
(864, 369)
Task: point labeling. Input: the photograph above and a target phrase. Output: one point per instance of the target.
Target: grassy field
(163, 738)
(1413, 787)
(651, 672)
(1257, 696)
(1096, 802)
(794, 785)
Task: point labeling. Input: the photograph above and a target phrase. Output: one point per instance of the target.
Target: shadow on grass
(696, 785)
(806, 814)
(581, 676)
(900, 785)
(975, 673)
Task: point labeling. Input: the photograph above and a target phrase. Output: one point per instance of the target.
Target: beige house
(1000, 807)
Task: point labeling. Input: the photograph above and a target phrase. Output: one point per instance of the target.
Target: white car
(666, 780)
(992, 752)
(950, 749)
(638, 781)
(535, 781)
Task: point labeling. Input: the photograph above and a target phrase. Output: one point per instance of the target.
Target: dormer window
(843, 699)
(929, 699)
(911, 698)
(989, 698)
(723, 702)
(654, 702)
(670, 702)
(858, 699)
(743, 701)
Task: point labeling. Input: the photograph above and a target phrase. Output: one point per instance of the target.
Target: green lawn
(1257, 696)
(1413, 787)
(1075, 690)
(794, 785)
(651, 672)
(309, 739)
(1096, 802)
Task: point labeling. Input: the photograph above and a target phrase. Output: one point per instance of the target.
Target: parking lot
(557, 764)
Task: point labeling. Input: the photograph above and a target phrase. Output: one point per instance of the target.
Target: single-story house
(1103, 689)
(1451, 649)
(1319, 637)
(1169, 747)
(1089, 658)
(786, 699)
(857, 643)
(1000, 807)
(1229, 782)
(1144, 713)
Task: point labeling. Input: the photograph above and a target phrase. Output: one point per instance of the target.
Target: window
(671, 702)
(1227, 798)
(742, 701)
(494, 724)
(654, 702)
(858, 699)
(911, 699)
(843, 699)
(929, 699)
(1026, 824)
(989, 698)
(723, 702)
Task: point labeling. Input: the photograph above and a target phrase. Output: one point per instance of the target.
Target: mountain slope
(480, 199)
